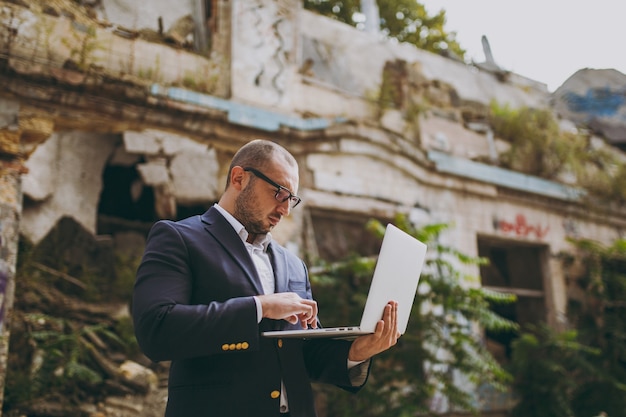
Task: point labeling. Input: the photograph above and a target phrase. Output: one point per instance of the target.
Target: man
(209, 285)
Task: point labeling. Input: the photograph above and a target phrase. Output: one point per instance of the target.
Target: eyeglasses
(282, 194)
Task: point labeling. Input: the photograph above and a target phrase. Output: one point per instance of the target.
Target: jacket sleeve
(167, 324)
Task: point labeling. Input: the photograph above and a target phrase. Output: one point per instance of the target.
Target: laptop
(396, 276)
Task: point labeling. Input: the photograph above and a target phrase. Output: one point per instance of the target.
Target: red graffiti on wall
(520, 227)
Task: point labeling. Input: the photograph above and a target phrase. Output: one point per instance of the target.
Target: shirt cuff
(259, 310)
(352, 364)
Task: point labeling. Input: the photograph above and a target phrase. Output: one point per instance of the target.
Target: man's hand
(385, 336)
(289, 306)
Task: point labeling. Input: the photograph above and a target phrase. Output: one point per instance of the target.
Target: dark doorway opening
(517, 268)
(125, 201)
(339, 235)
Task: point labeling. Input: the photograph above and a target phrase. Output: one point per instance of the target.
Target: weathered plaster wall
(85, 54)
(444, 134)
(188, 168)
(64, 179)
(309, 64)
(595, 98)
(65, 175)
(362, 57)
(264, 51)
(144, 15)
(362, 177)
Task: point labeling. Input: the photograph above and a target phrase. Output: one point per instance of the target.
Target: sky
(545, 40)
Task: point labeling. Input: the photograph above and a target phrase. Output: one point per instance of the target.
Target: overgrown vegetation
(404, 20)
(63, 348)
(600, 317)
(60, 359)
(82, 47)
(539, 147)
(439, 346)
(547, 366)
(579, 372)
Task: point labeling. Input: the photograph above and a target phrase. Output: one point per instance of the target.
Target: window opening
(514, 267)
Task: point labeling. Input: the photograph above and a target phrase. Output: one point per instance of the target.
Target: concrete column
(11, 170)
(372, 16)
(20, 133)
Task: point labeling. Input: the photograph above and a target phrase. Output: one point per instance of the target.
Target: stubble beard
(245, 212)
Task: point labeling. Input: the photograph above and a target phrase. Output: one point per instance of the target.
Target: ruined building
(124, 112)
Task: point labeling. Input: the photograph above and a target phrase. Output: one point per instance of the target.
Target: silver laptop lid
(396, 276)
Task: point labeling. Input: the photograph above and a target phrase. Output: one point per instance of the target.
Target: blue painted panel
(596, 102)
(244, 115)
(502, 177)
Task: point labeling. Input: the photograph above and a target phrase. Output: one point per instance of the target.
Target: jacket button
(275, 394)
(232, 346)
(244, 345)
(225, 347)
(280, 343)
(238, 347)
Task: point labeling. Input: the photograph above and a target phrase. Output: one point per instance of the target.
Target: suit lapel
(223, 232)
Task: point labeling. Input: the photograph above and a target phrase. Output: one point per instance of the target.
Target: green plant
(579, 372)
(125, 269)
(124, 332)
(603, 174)
(440, 343)
(197, 81)
(58, 356)
(539, 147)
(547, 366)
(82, 55)
(60, 347)
(153, 74)
(44, 33)
(404, 20)
(600, 318)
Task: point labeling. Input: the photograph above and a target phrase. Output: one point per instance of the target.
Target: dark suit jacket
(193, 305)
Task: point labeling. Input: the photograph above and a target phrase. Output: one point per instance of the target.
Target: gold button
(225, 347)
(232, 346)
(275, 394)
(280, 343)
(245, 345)
(238, 347)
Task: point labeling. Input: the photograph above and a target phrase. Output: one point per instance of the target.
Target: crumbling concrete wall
(339, 69)
(64, 179)
(136, 15)
(597, 99)
(13, 148)
(81, 52)
(181, 171)
(65, 175)
(264, 39)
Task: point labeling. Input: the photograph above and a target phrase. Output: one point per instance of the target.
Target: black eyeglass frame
(294, 199)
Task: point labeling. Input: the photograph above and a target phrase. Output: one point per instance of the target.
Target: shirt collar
(261, 240)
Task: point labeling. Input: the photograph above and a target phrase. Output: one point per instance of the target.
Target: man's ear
(238, 178)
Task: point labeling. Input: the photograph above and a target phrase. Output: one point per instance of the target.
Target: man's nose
(284, 208)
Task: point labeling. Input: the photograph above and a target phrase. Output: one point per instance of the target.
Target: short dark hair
(258, 154)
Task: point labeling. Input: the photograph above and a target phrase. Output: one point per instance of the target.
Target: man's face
(256, 206)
